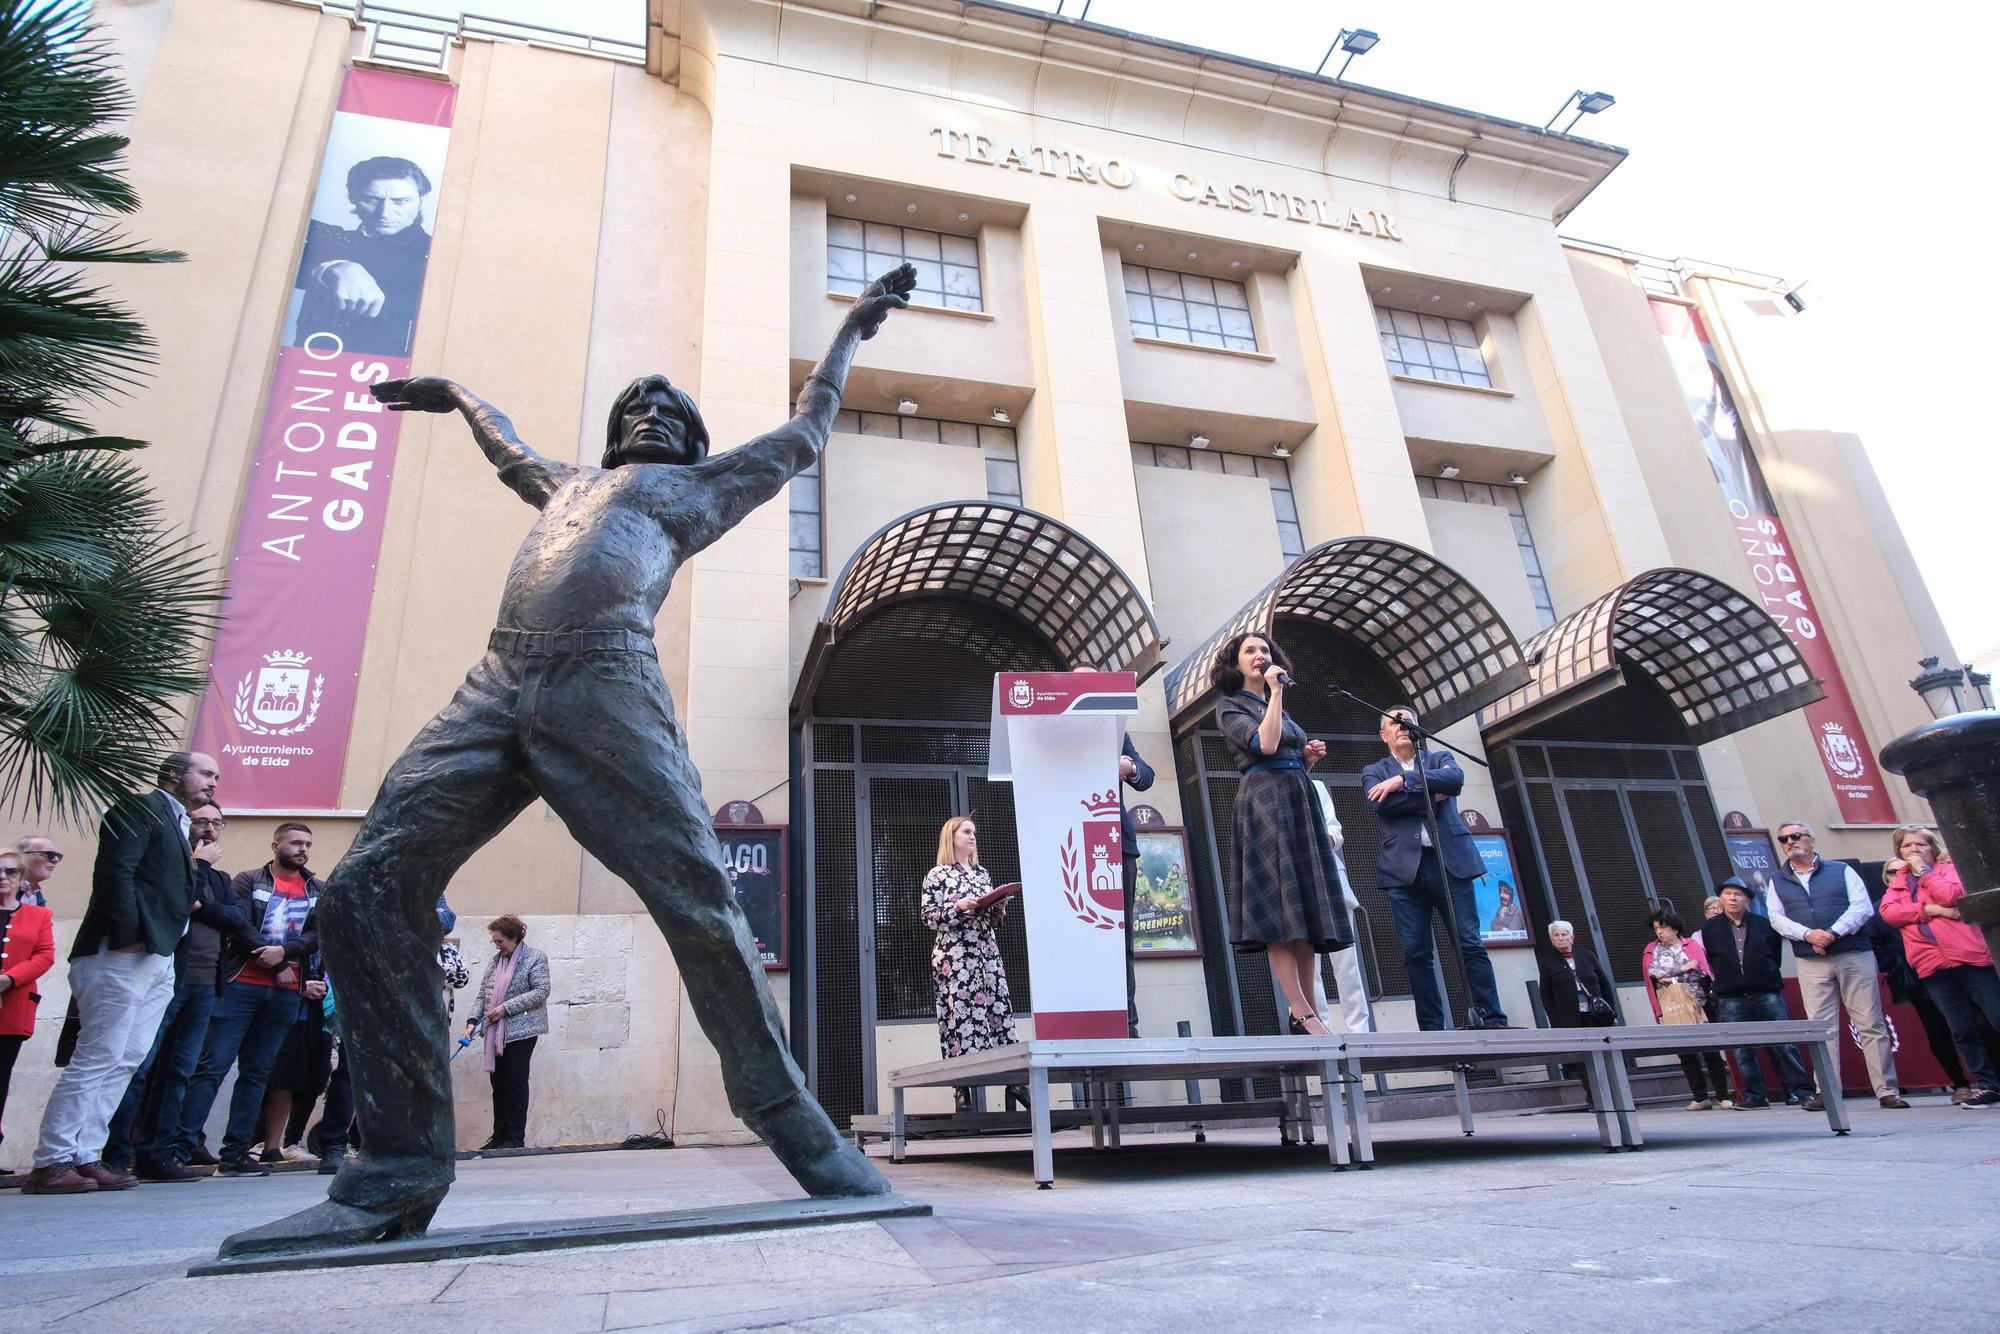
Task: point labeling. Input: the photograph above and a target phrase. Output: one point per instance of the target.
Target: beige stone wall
(1478, 541)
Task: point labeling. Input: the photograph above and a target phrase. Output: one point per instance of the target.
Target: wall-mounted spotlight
(1354, 41)
(1586, 104)
(1197, 441)
(1278, 451)
(1517, 479)
(1000, 415)
(906, 406)
(1795, 301)
(1449, 471)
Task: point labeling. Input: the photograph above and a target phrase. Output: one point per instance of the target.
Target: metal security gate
(1242, 997)
(895, 744)
(876, 828)
(1610, 828)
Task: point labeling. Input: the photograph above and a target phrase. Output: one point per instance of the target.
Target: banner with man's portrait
(287, 659)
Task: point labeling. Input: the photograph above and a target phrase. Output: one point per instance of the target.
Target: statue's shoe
(332, 1223)
(812, 1150)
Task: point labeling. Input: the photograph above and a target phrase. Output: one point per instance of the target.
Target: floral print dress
(973, 1008)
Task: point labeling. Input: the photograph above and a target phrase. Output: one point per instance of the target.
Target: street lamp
(1586, 104)
(1949, 690)
(1354, 41)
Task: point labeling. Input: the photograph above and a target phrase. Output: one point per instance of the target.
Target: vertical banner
(1843, 747)
(287, 660)
(1055, 737)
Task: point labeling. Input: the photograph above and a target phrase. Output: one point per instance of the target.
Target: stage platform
(1340, 1062)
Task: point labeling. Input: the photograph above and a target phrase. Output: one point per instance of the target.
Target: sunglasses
(46, 856)
(1792, 838)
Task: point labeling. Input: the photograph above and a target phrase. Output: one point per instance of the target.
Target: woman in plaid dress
(1288, 897)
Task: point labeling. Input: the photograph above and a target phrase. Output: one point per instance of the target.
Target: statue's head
(653, 422)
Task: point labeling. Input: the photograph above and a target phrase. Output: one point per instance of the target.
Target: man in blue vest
(1823, 909)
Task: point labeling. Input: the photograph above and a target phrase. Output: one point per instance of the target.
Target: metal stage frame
(1340, 1062)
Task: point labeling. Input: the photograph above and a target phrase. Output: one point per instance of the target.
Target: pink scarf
(496, 1030)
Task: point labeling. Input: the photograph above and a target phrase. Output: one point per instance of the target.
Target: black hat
(1734, 881)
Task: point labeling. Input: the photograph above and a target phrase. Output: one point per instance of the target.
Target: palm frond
(106, 612)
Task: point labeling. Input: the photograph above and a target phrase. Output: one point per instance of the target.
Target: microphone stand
(1418, 735)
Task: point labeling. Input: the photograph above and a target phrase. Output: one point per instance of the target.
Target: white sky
(1832, 142)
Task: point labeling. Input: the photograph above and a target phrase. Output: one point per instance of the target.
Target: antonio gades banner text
(1843, 748)
(287, 659)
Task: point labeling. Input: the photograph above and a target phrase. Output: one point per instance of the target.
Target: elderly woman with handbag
(514, 1007)
(1678, 982)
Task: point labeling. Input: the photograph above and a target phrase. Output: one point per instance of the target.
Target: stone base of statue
(312, 1241)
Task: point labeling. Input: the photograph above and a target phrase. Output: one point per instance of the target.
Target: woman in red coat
(1948, 952)
(27, 950)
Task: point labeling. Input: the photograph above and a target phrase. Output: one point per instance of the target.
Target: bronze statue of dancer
(568, 705)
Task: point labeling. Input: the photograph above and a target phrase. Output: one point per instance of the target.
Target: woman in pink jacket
(1676, 970)
(1949, 953)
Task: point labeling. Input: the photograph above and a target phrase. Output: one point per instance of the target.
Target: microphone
(1284, 678)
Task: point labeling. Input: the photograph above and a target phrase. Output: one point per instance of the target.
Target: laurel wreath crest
(1086, 911)
(248, 721)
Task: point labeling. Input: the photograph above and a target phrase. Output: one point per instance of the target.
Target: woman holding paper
(974, 1009)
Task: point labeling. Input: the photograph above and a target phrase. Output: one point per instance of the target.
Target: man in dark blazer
(1135, 773)
(1409, 869)
(121, 971)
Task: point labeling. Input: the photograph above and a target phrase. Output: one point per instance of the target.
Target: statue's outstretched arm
(750, 474)
(530, 476)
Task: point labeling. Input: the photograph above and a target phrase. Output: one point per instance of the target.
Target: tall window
(808, 525)
(996, 444)
(1275, 471)
(1188, 308)
(1431, 347)
(947, 266)
(1507, 498)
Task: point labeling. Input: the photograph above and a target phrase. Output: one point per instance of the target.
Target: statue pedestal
(1954, 763)
(566, 1233)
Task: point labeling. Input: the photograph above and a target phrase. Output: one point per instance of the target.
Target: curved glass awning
(1445, 643)
(1035, 568)
(1719, 656)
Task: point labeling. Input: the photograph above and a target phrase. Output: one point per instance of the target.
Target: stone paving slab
(1725, 1222)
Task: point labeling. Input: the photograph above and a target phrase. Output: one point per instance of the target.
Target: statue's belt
(562, 643)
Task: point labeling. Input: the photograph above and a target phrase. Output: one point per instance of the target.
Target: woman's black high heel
(1299, 1028)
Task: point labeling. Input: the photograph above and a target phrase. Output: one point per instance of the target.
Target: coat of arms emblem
(1842, 755)
(280, 698)
(1093, 861)
(1021, 694)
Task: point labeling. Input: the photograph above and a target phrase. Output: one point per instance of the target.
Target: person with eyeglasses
(1823, 908)
(1948, 952)
(39, 858)
(144, 1137)
(27, 950)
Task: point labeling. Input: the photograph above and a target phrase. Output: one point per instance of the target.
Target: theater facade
(1199, 345)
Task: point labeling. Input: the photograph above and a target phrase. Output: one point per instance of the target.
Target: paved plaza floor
(1726, 1221)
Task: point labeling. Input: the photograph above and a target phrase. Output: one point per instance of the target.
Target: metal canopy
(1446, 645)
(1035, 568)
(1719, 656)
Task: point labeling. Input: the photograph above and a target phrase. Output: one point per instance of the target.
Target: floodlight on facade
(906, 407)
(1449, 471)
(1197, 441)
(1586, 104)
(1354, 41)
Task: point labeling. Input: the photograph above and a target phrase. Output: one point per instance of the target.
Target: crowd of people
(181, 973)
(1293, 902)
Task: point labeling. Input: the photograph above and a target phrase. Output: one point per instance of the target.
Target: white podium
(1056, 737)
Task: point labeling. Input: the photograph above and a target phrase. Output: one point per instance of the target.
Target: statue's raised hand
(889, 292)
(422, 393)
